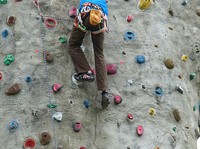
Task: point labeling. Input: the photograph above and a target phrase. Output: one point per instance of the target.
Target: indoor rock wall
(158, 36)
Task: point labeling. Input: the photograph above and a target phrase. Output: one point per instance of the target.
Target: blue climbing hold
(28, 79)
(5, 33)
(13, 125)
(129, 35)
(140, 59)
(86, 103)
(158, 91)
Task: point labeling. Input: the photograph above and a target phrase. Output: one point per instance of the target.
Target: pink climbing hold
(129, 18)
(139, 130)
(117, 99)
(73, 12)
(111, 69)
(77, 126)
(56, 87)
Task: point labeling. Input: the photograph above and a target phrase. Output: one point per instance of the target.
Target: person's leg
(78, 57)
(101, 74)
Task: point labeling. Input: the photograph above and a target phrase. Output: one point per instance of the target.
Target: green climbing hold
(9, 59)
(3, 1)
(62, 39)
(192, 76)
(174, 129)
(51, 105)
(194, 107)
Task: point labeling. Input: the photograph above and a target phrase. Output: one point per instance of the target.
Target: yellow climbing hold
(144, 4)
(184, 58)
(152, 111)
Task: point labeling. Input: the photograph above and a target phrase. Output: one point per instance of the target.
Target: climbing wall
(155, 52)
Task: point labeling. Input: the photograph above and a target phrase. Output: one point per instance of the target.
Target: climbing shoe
(105, 100)
(88, 76)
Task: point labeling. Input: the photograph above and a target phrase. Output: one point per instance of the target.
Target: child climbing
(92, 17)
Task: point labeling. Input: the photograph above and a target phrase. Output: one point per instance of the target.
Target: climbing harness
(84, 12)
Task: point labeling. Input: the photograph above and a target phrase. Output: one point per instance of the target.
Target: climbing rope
(42, 31)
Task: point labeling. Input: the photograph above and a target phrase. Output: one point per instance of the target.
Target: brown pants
(78, 57)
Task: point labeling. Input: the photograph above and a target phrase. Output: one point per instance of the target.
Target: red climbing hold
(1, 76)
(50, 22)
(29, 143)
(111, 69)
(73, 12)
(129, 117)
(129, 18)
(77, 126)
(117, 99)
(56, 87)
(139, 130)
(82, 147)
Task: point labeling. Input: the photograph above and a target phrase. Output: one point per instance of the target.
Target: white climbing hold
(57, 116)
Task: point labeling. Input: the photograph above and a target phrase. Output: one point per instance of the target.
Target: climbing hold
(157, 147)
(51, 105)
(9, 59)
(184, 2)
(60, 147)
(86, 103)
(174, 129)
(140, 59)
(171, 12)
(170, 27)
(111, 69)
(48, 56)
(194, 107)
(179, 89)
(14, 89)
(169, 63)
(117, 99)
(28, 79)
(152, 111)
(4, 33)
(45, 138)
(129, 118)
(158, 91)
(57, 116)
(1, 76)
(184, 58)
(29, 143)
(123, 52)
(192, 76)
(50, 23)
(73, 12)
(10, 20)
(56, 87)
(196, 49)
(77, 126)
(129, 18)
(156, 45)
(129, 35)
(139, 130)
(144, 4)
(198, 12)
(62, 39)
(3, 1)
(176, 113)
(82, 147)
(13, 125)
(130, 82)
